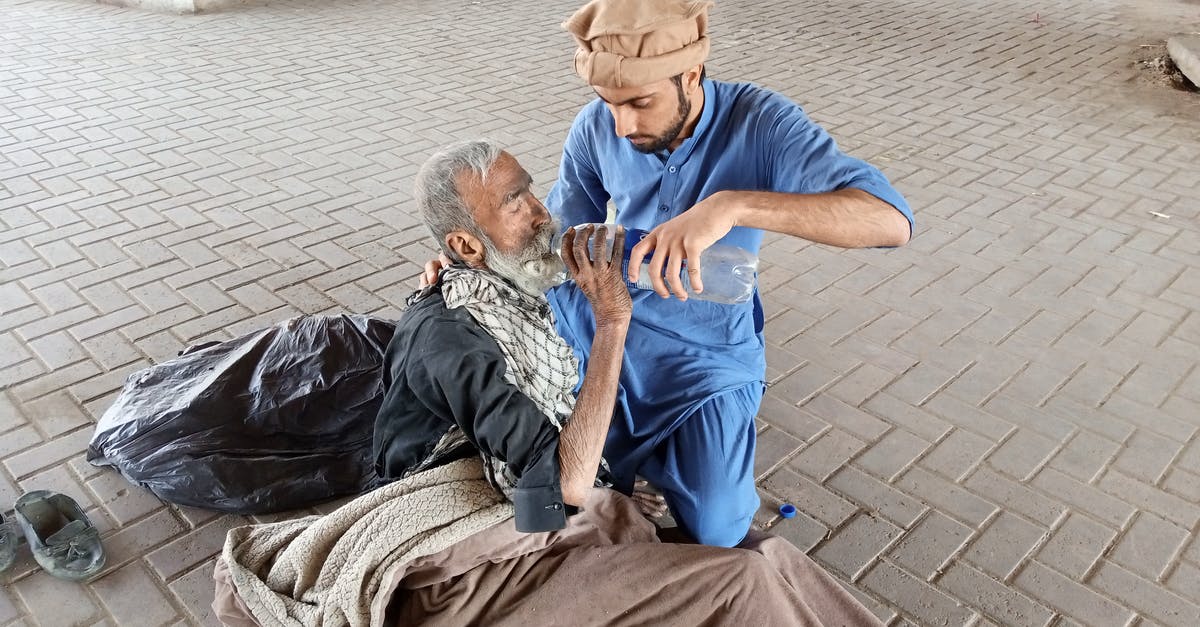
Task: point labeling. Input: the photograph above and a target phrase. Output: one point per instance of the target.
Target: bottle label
(632, 238)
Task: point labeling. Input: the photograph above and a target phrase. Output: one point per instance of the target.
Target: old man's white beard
(533, 270)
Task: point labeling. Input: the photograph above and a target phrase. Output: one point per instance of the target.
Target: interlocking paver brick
(1076, 546)
(1185, 581)
(10, 416)
(887, 358)
(917, 385)
(43, 325)
(19, 439)
(1150, 385)
(809, 498)
(915, 597)
(87, 390)
(132, 597)
(9, 491)
(194, 517)
(354, 298)
(846, 417)
(1151, 419)
(56, 414)
(788, 417)
(124, 502)
(133, 541)
(54, 297)
(913, 418)
(194, 591)
(58, 479)
(1149, 498)
(955, 456)
(1181, 408)
(801, 530)
(854, 547)
(1093, 384)
(987, 377)
(1101, 423)
(946, 496)
(192, 548)
(47, 454)
(1085, 455)
(111, 350)
(1152, 600)
(107, 297)
(861, 385)
(772, 447)
(200, 329)
(826, 454)
(8, 609)
(44, 382)
(46, 597)
(157, 296)
(1084, 497)
(968, 416)
(994, 599)
(883, 612)
(780, 361)
(1023, 454)
(928, 546)
(1000, 548)
(874, 495)
(892, 454)
(1072, 599)
(108, 322)
(1149, 545)
(1183, 484)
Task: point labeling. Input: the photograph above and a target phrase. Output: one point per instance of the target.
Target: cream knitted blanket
(332, 570)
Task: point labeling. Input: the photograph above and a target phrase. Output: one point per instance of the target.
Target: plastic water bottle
(728, 272)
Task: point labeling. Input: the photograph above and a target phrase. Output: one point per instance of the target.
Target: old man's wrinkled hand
(433, 267)
(598, 275)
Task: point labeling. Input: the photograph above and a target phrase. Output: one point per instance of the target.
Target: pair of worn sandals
(64, 542)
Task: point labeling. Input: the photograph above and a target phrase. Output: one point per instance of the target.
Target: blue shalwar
(693, 372)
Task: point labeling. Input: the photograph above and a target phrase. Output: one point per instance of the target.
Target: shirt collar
(706, 116)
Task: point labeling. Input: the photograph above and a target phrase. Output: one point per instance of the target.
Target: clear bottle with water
(728, 272)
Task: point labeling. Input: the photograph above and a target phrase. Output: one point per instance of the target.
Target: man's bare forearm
(850, 218)
(581, 443)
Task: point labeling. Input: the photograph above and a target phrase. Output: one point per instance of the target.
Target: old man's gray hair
(436, 188)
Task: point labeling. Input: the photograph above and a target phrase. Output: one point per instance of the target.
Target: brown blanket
(606, 568)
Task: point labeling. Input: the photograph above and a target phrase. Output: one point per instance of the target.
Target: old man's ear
(466, 247)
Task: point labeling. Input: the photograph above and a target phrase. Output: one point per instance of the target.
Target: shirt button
(662, 207)
(556, 506)
(672, 169)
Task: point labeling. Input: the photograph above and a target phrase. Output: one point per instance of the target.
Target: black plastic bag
(274, 420)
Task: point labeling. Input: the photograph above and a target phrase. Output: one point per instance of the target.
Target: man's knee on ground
(718, 528)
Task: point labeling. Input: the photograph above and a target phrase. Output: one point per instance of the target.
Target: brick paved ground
(996, 424)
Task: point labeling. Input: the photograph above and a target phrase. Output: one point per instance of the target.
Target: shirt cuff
(885, 192)
(540, 509)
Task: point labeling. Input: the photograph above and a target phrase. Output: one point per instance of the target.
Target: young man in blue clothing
(695, 161)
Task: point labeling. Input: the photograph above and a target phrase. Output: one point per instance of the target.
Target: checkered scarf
(540, 363)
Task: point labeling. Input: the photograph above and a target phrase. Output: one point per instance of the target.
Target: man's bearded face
(535, 267)
(650, 144)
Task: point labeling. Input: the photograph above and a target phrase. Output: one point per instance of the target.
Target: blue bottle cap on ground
(787, 510)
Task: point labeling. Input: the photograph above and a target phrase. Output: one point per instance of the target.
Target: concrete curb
(182, 7)
(1185, 52)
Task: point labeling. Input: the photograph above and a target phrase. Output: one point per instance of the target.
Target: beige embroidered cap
(627, 43)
